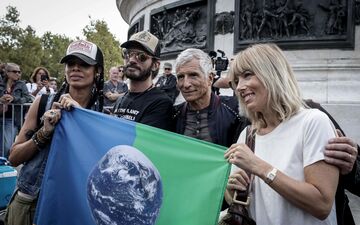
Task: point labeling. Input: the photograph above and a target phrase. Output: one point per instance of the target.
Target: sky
(67, 17)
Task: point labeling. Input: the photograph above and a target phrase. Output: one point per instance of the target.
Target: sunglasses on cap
(139, 55)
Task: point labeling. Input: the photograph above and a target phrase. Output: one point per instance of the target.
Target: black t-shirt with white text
(151, 107)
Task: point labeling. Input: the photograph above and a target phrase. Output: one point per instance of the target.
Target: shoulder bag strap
(42, 108)
(241, 197)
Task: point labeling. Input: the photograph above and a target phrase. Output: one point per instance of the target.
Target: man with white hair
(204, 115)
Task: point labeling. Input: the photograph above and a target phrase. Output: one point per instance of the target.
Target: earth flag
(86, 181)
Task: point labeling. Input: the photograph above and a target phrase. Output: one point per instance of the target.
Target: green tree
(10, 32)
(24, 47)
(98, 32)
(10, 29)
(54, 47)
(18, 45)
(29, 52)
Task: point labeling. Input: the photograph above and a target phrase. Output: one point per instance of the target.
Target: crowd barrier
(11, 109)
(23, 108)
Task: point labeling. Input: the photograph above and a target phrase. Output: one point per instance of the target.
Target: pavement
(355, 207)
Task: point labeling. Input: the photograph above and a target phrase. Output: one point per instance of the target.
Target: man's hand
(341, 152)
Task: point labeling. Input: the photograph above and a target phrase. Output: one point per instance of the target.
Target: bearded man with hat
(143, 102)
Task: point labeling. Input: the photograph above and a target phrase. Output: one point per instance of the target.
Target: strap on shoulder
(241, 197)
(42, 107)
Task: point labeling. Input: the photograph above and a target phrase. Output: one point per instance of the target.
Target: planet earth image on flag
(124, 187)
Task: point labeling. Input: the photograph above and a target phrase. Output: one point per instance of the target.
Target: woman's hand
(241, 156)
(65, 102)
(6, 98)
(237, 181)
(51, 118)
(39, 85)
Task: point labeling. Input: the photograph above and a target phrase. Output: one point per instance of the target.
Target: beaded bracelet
(39, 144)
(40, 138)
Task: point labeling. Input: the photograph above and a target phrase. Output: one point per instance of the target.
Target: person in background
(224, 81)
(40, 82)
(2, 71)
(12, 91)
(53, 84)
(122, 76)
(288, 162)
(342, 152)
(143, 103)
(83, 84)
(167, 82)
(114, 87)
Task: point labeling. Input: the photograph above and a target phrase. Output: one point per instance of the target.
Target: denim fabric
(8, 132)
(31, 174)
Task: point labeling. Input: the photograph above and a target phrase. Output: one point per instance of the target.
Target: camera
(44, 77)
(220, 62)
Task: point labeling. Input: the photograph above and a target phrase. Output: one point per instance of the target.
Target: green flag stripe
(194, 175)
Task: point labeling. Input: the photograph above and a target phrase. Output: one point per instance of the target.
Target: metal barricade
(8, 117)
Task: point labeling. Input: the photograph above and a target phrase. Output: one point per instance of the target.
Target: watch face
(271, 175)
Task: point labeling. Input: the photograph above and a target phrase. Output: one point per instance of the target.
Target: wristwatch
(270, 176)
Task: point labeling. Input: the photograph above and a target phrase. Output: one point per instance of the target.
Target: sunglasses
(167, 69)
(139, 56)
(79, 63)
(15, 71)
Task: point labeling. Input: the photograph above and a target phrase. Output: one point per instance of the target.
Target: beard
(143, 75)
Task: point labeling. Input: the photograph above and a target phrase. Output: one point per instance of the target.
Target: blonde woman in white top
(292, 182)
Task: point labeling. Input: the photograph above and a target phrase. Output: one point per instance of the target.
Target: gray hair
(193, 53)
(10, 66)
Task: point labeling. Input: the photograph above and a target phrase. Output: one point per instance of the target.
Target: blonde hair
(269, 64)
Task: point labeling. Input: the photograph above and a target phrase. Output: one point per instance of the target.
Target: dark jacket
(169, 86)
(224, 121)
(21, 95)
(350, 182)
